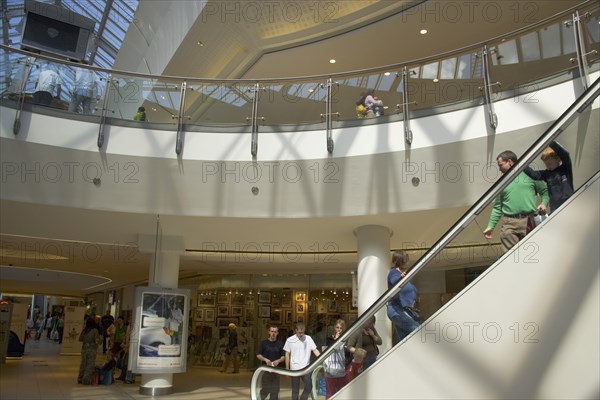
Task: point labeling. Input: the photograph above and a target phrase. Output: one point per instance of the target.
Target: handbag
(335, 365)
(414, 313)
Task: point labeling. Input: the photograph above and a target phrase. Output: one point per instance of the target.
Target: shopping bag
(335, 365)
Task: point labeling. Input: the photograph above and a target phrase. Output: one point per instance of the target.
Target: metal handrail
(530, 154)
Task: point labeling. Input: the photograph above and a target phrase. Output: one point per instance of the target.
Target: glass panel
(530, 47)
(456, 84)
(218, 104)
(550, 37)
(506, 54)
(382, 86)
(448, 70)
(159, 97)
(513, 73)
(591, 34)
(430, 71)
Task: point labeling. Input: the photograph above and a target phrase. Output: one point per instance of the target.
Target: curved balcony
(207, 152)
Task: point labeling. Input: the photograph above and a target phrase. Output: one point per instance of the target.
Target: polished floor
(43, 374)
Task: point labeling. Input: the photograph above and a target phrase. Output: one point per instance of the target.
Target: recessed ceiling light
(387, 74)
(436, 80)
(199, 43)
(332, 61)
(423, 31)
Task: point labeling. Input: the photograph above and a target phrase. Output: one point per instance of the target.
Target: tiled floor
(43, 374)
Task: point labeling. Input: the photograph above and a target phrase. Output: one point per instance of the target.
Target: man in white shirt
(48, 85)
(85, 89)
(297, 356)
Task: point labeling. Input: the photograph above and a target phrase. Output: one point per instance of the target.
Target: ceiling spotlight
(436, 80)
(387, 74)
(332, 61)
(423, 31)
(199, 43)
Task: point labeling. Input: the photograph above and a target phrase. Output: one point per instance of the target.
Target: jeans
(296, 387)
(402, 322)
(270, 386)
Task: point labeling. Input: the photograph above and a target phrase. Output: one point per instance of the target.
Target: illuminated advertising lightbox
(159, 333)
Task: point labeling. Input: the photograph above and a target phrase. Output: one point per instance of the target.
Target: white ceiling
(81, 244)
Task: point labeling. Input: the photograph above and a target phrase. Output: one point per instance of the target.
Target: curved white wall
(53, 161)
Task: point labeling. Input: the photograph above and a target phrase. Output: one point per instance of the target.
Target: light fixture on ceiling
(199, 43)
(332, 61)
(436, 80)
(386, 73)
(423, 31)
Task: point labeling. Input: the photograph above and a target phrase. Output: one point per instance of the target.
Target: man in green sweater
(515, 204)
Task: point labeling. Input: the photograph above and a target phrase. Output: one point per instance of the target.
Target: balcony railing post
(254, 119)
(408, 135)
(24, 77)
(178, 140)
(487, 88)
(103, 111)
(581, 51)
(329, 114)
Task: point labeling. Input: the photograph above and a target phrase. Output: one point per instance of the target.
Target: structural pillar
(164, 273)
(373, 265)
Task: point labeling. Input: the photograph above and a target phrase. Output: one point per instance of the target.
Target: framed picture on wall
(264, 298)
(222, 298)
(209, 315)
(288, 317)
(300, 308)
(249, 315)
(222, 311)
(343, 307)
(275, 300)
(300, 319)
(206, 300)
(300, 296)
(286, 300)
(332, 306)
(264, 311)
(237, 299)
(199, 314)
(236, 311)
(276, 315)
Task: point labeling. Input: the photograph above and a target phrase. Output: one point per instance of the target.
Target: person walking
(270, 352)
(231, 351)
(298, 348)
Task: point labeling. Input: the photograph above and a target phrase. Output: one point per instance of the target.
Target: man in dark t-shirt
(270, 352)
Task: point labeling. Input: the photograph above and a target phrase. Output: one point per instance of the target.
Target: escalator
(528, 326)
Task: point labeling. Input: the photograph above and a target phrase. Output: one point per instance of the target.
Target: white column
(164, 273)
(374, 260)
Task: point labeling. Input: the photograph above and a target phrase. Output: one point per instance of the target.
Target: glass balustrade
(517, 63)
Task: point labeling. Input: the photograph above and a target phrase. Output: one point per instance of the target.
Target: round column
(373, 265)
